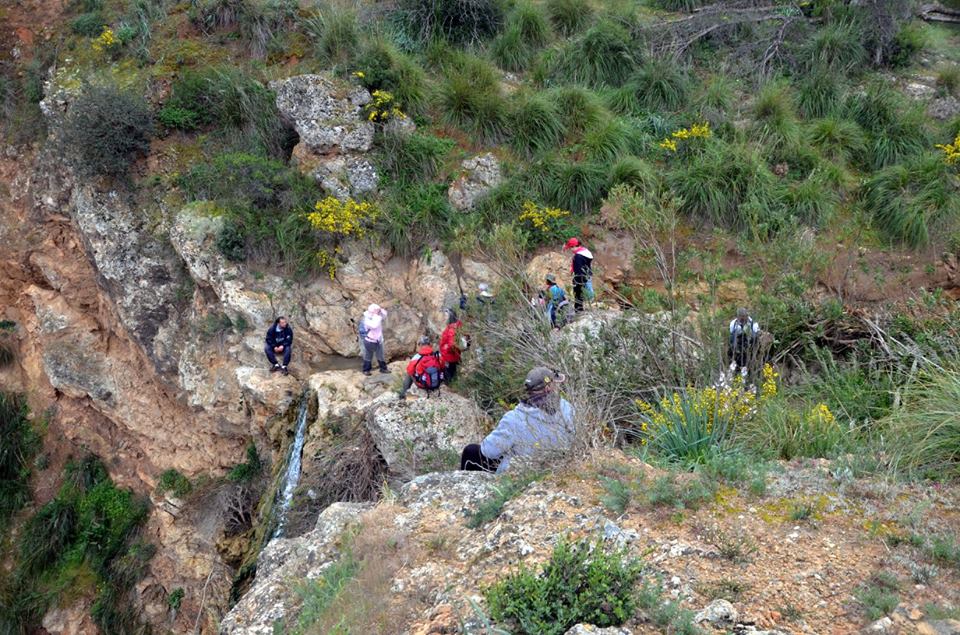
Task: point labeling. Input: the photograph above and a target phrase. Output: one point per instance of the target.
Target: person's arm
(269, 338)
(289, 337)
(496, 444)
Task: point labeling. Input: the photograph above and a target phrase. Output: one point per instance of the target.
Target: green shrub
(837, 47)
(106, 130)
(895, 130)
(637, 174)
(578, 584)
(717, 93)
(415, 214)
(384, 67)
(319, 594)
(926, 427)
(692, 494)
(879, 596)
(569, 16)
(910, 199)
(456, 21)
(531, 22)
(172, 480)
(856, 389)
(578, 186)
(249, 181)
(249, 469)
(837, 139)
(175, 599)
(260, 24)
(819, 93)
(88, 24)
(579, 108)
(510, 52)
(536, 125)
(786, 430)
(603, 56)
(606, 141)
(19, 443)
(776, 126)
(335, 33)
(617, 496)
(948, 79)
(232, 241)
(661, 84)
(46, 536)
(474, 102)
(506, 490)
(909, 41)
(812, 200)
(407, 158)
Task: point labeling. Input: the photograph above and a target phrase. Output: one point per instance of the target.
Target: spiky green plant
(603, 56)
(895, 129)
(569, 16)
(532, 23)
(661, 85)
(838, 47)
(335, 32)
(819, 93)
(837, 139)
(385, 67)
(622, 100)
(578, 186)
(775, 117)
(717, 93)
(812, 200)
(579, 108)
(607, 140)
(636, 173)
(477, 107)
(535, 124)
(908, 199)
(510, 52)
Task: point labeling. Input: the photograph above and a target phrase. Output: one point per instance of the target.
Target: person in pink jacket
(371, 338)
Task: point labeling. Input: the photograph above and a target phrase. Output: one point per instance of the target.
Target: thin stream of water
(294, 462)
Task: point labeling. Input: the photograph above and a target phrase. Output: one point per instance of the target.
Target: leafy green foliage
(507, 489)
(580, 583)
(88, 24)
(536, 125)
(603, 56)
(384, 67)
(107, 129)
(895, 130)
(175, 599)
(879, 596)
(173, 481)
(249, 469)
(19, 443)
(456, 21)
(617, 496)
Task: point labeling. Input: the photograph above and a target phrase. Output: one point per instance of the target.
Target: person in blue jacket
(556, 302)
(279, 341)
(540, 426)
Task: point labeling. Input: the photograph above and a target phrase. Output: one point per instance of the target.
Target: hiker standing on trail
(744, 332)
(449, 351)
(371, 338)
(279, 341)
(425, 369)
(556, 302)
(581, 266)
(541, 425)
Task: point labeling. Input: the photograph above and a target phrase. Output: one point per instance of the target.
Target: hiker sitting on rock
(449, 350)
(539, 426)
(279, 341)
(371, 337)
(424, 369)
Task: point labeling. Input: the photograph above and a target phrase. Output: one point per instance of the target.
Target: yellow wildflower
(669, 144)
(543, 219)
(107, 41)
(343, 218)
(951, 151)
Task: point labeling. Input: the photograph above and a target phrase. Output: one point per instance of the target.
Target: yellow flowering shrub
(543, 223)
(696, 131)
(951, 151)
(106, 42)
(383, 108)
(327, 261)
(342, 218)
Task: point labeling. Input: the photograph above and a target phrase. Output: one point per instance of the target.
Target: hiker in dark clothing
(279, 341)
(555, 300)
(744, 332)
(581, 266)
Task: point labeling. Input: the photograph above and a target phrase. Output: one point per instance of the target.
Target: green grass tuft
(661, 84)
(491, 508)
(578, 186)
(603, 56)
(837, 139)
(837, 47)
(385, 67)
(607, 141)
(569, 17)
(579, 108)
(536, 125)
(895, 129)
(819, 93)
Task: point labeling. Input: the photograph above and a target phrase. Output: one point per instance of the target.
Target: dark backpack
(428, 373)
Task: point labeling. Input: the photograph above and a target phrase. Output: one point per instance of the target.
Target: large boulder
(479, 175)
(423, 434)
(325, 112)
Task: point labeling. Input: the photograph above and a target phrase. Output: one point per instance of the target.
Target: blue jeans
(273, 356)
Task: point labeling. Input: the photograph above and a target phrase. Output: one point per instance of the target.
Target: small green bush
(384, 67)
(910, 199)
(569, 17)
(474, 102)
(415, 214)
(819, 93)
(879, 597)
(661, 84)
(837, 47)
(510, 52)
(107, 129)
(319, 594)
(88, 24)
(232, 241)
(249, 469)
(580, 583)
(837, 139)
(172, 480)
(536, 125)
(617, 496)
(455, 21)
(408, 158)
(909, 41)
(812, 201)
(175, 599)
(19, 443)
(579, 108)
(46, 536)
(786, 430)
(948, 79)
(926, 427)
(531, 22)
(335, 33)
(603, 56)
(578, 186)
(895, 129)
(776, 126)
(606, 141)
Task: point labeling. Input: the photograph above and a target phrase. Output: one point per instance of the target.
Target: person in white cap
(540, 426)
(371, 337)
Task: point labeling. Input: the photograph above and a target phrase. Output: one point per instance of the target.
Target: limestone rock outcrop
(479, 175)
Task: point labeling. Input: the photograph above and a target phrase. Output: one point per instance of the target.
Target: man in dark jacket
(581, 266)
(279, 341)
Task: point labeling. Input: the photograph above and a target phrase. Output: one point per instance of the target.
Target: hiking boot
(284, 370)
(275, 368)
(384, 371)
(367, 373)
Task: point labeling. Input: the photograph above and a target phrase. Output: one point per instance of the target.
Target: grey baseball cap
(540, 377)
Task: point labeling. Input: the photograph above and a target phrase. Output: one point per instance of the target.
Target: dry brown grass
(366, 604)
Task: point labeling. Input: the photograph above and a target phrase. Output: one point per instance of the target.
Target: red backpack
(428, 373)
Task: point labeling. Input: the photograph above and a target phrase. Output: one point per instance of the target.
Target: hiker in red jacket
(425, 369)
(581, 266)
(449, 351)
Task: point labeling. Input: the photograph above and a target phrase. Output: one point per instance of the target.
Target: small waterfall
(292, 477)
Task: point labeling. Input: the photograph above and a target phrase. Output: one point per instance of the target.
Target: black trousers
(472, 460)
(450, 373)
(579, 288)
(272, 357)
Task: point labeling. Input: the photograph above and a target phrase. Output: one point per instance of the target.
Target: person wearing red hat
(582, 269)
